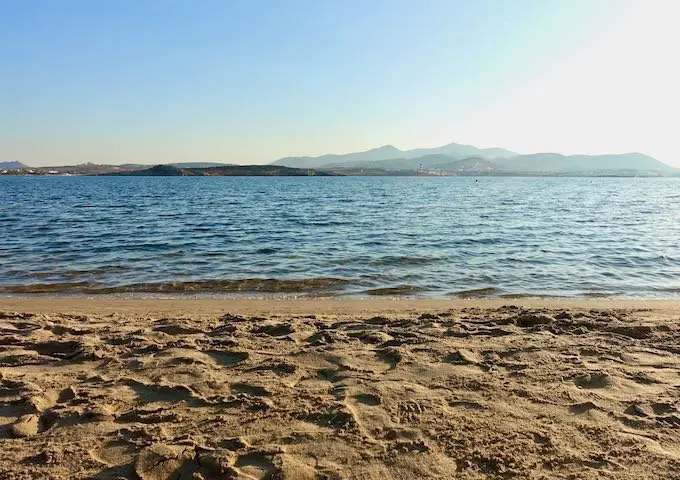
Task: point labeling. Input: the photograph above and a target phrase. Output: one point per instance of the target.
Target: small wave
(398, 290)
(517, 296)
(477, 292)
(49, 287)
(321, 223)
(266, 285)
(70, 273)
(598, 294)
(404, 260)
(675, 290)
(475, 241)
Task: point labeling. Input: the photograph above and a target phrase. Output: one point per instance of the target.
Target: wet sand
(368, 389)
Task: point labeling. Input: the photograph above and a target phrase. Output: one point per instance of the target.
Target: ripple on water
(355, 235)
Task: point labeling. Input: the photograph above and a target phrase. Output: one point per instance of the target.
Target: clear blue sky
(246, 81)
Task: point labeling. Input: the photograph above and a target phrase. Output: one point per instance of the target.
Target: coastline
(102, 304)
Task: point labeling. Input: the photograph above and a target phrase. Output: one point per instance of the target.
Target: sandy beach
(332, 389)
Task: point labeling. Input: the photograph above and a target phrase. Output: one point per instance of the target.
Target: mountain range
(450, 159)
(390, 152)
(455, 157)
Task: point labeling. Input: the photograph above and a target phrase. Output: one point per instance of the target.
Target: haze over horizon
(235, 82)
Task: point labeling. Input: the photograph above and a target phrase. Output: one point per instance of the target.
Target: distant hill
(222, 171)
(470, 164)
(389, 160)
(371, 172)
(381, 153)
(388, 152)
(428, 164)
(447, 158)
(460, 151)
(557, 163)
(13, 165)
(99, 169)
(199, 164)
(432, 161)
(89, 169)
(393, 163)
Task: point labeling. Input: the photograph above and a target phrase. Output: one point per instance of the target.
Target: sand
(378, 389)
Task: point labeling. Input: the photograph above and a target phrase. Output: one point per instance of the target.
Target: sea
(436, 237)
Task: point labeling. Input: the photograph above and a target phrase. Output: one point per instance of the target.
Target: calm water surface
(341, 235)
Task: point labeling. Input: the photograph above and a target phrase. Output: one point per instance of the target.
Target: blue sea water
(425, 236)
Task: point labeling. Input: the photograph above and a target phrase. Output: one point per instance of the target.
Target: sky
(250, 81)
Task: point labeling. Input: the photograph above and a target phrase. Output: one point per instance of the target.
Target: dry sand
(215, 389)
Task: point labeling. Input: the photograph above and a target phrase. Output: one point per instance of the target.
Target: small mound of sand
(26, 426)
(597, 380)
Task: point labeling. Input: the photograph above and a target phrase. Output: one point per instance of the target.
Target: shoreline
(325, 305)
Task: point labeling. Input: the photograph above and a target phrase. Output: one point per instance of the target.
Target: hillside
(13, 165)
(394, 163)
(435, 161)
(376, 154)
(87, 169)
(222, 171)
(445, 159)
(556, 163)
(454, 151)
(471, 164)
(460, 151)
(199, 164)
(371, 163)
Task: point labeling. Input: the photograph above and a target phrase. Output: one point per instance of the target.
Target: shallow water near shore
(358, 236)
